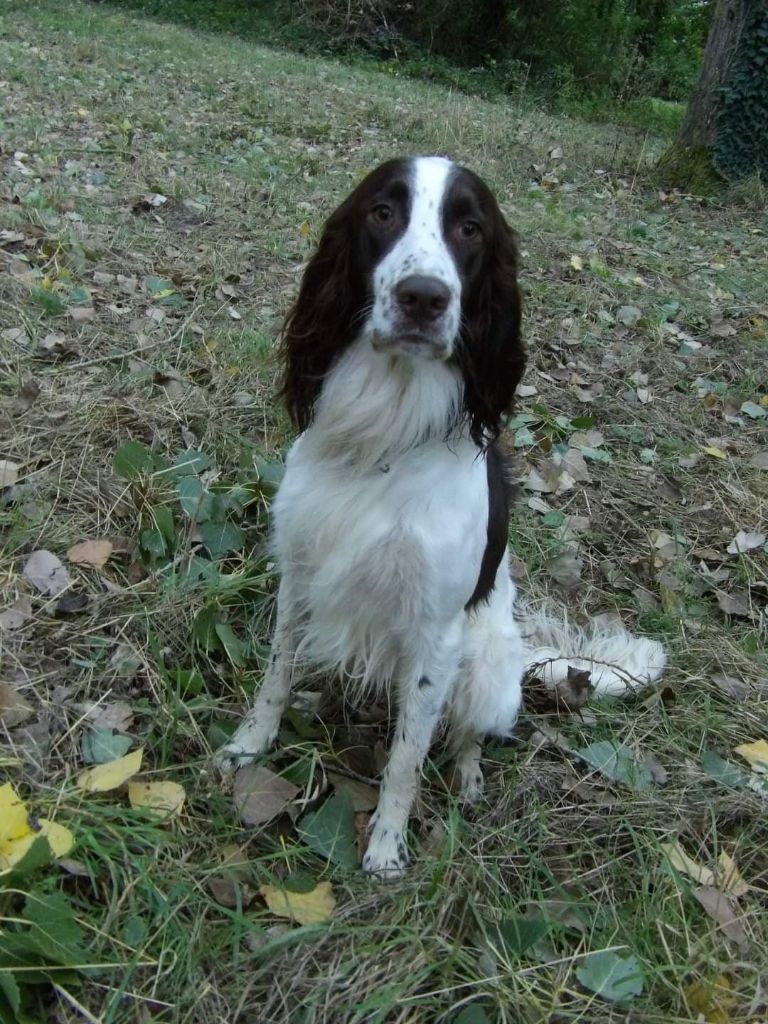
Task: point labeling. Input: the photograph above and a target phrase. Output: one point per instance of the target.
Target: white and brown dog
(402, 356)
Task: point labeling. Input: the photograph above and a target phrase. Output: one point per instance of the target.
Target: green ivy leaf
(219, 538)
(330, 831)
(133, 460)
(614, 978)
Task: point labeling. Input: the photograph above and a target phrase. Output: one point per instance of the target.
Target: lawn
(161, 190)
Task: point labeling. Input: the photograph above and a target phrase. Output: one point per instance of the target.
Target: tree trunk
(688, 162)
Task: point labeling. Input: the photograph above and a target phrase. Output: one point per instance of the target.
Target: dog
(402, 355)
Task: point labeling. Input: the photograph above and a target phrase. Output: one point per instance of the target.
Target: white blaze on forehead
(421, 249)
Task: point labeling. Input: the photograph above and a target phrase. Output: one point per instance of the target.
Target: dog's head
(419, 263)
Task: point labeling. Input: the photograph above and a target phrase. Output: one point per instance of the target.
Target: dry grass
(252, 149)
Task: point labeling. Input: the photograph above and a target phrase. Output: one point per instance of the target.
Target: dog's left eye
(469, 229)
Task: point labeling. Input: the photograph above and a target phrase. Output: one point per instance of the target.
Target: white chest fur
(375, 558)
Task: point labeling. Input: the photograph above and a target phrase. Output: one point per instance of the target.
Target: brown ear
(491, 352)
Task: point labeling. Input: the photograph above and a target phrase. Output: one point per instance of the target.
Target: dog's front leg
(423, 695)
(258, 730)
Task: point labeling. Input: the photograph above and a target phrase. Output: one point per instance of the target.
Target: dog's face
(418, 262)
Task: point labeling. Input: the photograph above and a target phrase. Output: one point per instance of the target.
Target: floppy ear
(320, 325)
(491, 352)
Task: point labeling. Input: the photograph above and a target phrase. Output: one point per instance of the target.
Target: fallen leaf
(117, 716)
(99, 746)
(586, 439)
(613, 977)
(313, 907)
(680, 861)
(721, 909)
(46, 573)
(330, 831)
(617, 763)
(90, 552)
(565, 569)
(730, 686)
(754, 411)
(716, 453)
(759, 460)
(711, 1000)
(363, 796)
(730, 879)
(735, 604)
(9, 473)
(526, 390)
(105, 777)
(577, 263)
(16, 614)
(628, 315)
(260, 795)
(744, 541)
(14, 709)
(165, 799)
(17, 834)
(229, 892)
(756, 754)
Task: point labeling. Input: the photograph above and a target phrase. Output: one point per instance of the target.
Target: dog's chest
(380, 554)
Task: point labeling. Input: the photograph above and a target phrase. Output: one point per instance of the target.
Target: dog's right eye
(382, 214)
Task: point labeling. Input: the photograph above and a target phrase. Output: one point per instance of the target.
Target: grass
(251, 150)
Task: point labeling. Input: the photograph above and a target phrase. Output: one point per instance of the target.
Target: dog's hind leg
(258, 730)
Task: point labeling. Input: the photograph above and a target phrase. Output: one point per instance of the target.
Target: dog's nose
(422, 298)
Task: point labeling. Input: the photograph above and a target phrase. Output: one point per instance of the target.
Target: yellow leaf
(13, 814)
(16, 835)
(730, 879)
(577, 263)
(304, 230)
(716, 453)
(90, 552)
(303, 907)
(164, 798)
(711, 999)
(756, 753)
(103, 777)
(680, 861)
(764, 401)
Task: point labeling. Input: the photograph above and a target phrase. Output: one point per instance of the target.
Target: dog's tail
(617, 661)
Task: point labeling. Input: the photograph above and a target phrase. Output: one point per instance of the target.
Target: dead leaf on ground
(165, 799)
(117, 716)
(46, 573)
(732, 687)
(680, 861)
(229, 892)
(14, 709)
(711, 1000)
(737, 603)
(721, 909)
(363, 796)
(90, 552)
(730, 879)
(16, 614)
(744, 542)
(260, 795)
(565, 569)
(759, 460)
(313, 907)
(9, 473)
(756, 753)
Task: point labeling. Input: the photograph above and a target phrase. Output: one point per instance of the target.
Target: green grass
(252, 149)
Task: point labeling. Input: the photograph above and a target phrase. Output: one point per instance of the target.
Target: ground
(160, 192)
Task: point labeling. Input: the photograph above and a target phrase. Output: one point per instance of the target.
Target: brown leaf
(732, 687)
(735, 604)
(16, 614)
(90, 552)
(363, 796)
(744, 542)
(260, 795)
(566, 568)
(14, 709)
(9, 473)
(722, 911)
(46, 573)
(117, 716)
(228, 892)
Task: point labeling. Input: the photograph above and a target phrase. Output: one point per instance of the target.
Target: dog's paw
(229, 758)
(387, 854)
(471, 785)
